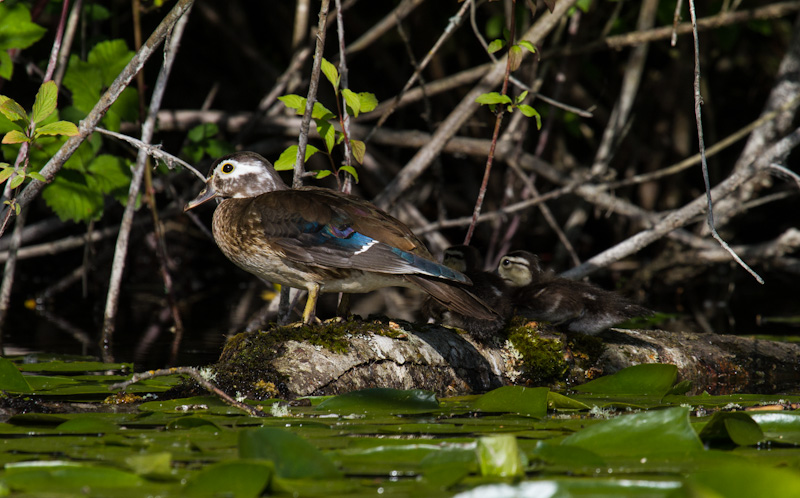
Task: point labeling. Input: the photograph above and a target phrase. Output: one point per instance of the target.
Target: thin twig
(302, 140)
(198, 377)
(344, 117)
(698, 100)
(121, 248)
(496, 133)
(154, 151)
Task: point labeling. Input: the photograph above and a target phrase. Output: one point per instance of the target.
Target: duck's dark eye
(227, 168)
(506, 262)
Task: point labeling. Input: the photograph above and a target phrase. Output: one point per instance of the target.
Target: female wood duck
(579, 306)
(489, 287)
(321, 240)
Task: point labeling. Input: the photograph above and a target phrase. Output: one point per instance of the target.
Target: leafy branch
(356, 103)
(25, 131)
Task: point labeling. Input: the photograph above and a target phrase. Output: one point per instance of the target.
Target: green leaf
(110, 175)
(353, 102)
(87, 79)
(5, 173)
(737, 427)
(320, 112)
(381, 400)
(515, 57)
(527, 45)
(368, 101)
(202, 131)
(330, 72)
(496, 45)
(45, 103)
(531, 113)
(15, 137)
(528, 401)
(359, 149)
(11, 379)
(521, 97)
(654, 379)
(298, 103)
(87, 425)
(322, 173)
(293, 456)
(498, 456)
(155, 465)
(6, 65)
(58, 128)
(37, 176)
(328, 134)
(654, 432)
(351, 170)
(288, 157)
(68, 478)
(557, 401)
(71, 198)
(237, 479)
(779, 427)
(743, 479)
(16, 28)
(295, 102)
(493, 98)
(13, 111)
(17, 180)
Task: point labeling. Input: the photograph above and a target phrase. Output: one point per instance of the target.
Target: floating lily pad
(236, 479)
(63, 477)
(293, 456)
(653, 379)
(11, 379)
(528, 401)
(381, 400)
(646, 433)
(736, 427)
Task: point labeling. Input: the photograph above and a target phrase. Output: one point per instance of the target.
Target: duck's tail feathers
(455, 297)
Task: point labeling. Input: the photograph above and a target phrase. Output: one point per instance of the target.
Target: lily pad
(237, 479)
(293, 456)
(646, 433)
(11, 379)
(653, 379)
(381, 400)
(528, 401)
(736, 427)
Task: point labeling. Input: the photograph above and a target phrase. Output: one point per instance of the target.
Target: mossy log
(339, 357)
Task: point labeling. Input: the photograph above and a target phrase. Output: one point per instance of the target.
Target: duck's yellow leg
(311, 304)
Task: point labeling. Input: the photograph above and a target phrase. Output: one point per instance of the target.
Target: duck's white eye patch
(227, 168)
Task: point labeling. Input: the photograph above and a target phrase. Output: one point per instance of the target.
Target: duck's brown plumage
(321, 240)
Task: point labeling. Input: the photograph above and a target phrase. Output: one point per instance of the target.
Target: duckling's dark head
(519, 268)
(239, 175)
(462, 258)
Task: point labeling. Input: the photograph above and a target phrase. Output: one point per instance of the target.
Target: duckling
(578, 306)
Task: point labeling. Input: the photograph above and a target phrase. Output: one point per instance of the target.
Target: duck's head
(239, 175)
(519, 268)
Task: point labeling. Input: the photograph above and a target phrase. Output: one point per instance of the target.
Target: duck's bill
(206, 194)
